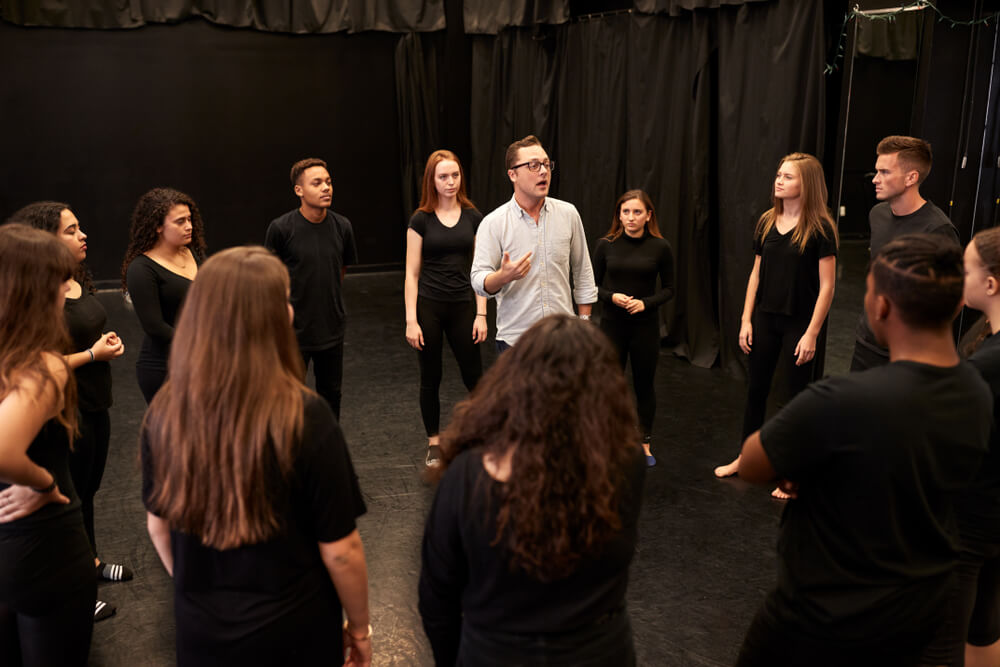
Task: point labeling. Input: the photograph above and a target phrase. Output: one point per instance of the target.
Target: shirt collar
(546, 206)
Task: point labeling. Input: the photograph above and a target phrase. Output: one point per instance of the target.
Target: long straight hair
(33, 267)
(815, 218)
(616, 221)
(223, 429)
(429, 194)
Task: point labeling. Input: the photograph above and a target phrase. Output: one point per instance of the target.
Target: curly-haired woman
(528, 543)
(166, 244)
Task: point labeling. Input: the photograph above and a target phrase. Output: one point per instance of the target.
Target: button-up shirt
(559, 250)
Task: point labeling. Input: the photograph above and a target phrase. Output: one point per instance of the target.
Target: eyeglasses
(536, 165)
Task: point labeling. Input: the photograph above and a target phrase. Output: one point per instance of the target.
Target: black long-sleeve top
(466, 579)
(157, 294)
(630, 266)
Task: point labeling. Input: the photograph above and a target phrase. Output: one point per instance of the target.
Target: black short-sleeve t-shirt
(226, 598)
(446, 255)
(789, 279)
(867, 547)
(86, 318)
(316, 254)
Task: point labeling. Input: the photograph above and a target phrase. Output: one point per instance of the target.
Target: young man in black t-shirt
(873, 459)
(902, 165)
(316, 245)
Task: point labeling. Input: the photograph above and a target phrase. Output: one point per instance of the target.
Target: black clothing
(87, 462)
(272, 602)
(789, 279)
(47, 582)
(446, 255)
(467, 583)
(328, 369)
(885, 227)
(86, 319)
(639, 340)
(630, 266)
(157, 295)
(978, 506)
(866, 550)
(774, 341)
(438, 319)
(316, 255)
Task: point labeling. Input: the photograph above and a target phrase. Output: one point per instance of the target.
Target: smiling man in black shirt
(316, 245)
(867, 545)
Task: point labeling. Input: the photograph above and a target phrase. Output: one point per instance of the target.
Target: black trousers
(328, 368)
(437, 320)
(87, 462)
(47, 595)
(151, 377)
(774, 341)
(638, 339)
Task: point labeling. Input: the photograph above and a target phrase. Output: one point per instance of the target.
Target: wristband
(48, 489)
(91, 354)
(358, 639)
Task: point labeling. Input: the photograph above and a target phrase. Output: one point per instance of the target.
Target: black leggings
(47, 596)
(151, 377)
(774, 341)
(640, 340)
(86, 464)
(438, 319)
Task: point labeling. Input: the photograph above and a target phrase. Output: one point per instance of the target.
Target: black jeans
(638, 339)
(437, 320)
(328, 367)
(774, 341)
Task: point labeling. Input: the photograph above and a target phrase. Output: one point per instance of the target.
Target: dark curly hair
(47, 216)
(149, 214)
(558, 402)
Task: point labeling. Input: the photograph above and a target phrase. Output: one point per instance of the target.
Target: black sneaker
(433, 459)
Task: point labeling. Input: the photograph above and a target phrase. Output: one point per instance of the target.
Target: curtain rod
(600, 15)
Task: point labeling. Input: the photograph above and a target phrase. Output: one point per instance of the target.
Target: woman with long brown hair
(166, 244)
(528, 543)
(47, 583)
(92, 349)
(790, 288)
(249, 487)
(437, 292)
(627, 262)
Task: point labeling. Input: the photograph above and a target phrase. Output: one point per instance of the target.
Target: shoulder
(283, 222)
(418, 221)
(987, 357)
(472, 214)
(562, 207)
(140, 266)
(880, 212)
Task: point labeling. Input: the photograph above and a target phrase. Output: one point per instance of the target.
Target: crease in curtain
(489, 17)
(417, 105)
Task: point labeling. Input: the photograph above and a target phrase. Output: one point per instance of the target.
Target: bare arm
(345, 562)
(755, 467)
(414, 249)
(805, 351)
(159, 535)
(746, 325)
(106, 348)
(23, 412)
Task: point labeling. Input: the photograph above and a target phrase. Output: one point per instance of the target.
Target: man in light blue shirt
(527, 249)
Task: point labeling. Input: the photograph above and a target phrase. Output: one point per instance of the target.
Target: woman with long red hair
(439, 298)
(250, 492)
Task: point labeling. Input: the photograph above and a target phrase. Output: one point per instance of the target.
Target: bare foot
(645, 448)
(779, 494)
(729, 469)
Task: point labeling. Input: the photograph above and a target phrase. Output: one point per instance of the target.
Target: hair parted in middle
(510, 157)
(815, 217)
(923, 276)
(34, 265)
(616, 230)
(47, 216)
(428, 192)
(230, 414)
(557, 401)
(150, 213)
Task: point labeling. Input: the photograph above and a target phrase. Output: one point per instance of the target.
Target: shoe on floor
(113, 572)
(103, 610)
(433, 459)
(650, 460)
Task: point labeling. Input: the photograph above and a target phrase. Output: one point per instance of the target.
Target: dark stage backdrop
(96, 118)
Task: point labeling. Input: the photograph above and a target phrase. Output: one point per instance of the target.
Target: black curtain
(677, 7)
(694, 108)
(294, 16)
(489, 17)
(418, 109)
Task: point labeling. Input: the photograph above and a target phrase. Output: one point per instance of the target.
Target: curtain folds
(488, 17)
(677, 7)
(289, 16)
